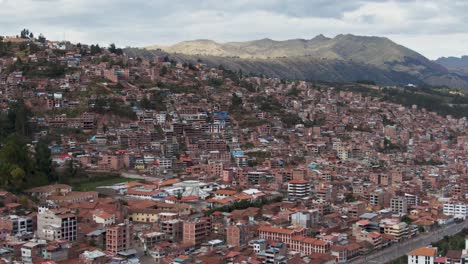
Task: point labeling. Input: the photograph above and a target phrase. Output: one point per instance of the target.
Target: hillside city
(109, 158)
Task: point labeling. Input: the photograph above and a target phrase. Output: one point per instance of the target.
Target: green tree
(17, 178)
(406, 219)
(113, 49)
(163, 71)
(25, 33)
(41, 39)
(95, 49)
(236, 103)
(43, 161)
(15, 152)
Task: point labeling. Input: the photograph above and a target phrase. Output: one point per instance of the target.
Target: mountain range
(344, 58)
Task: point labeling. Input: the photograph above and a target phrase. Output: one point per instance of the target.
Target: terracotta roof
(309, 240)
(49, 188)
(374, 235)
(298, 182)
(169, 182)
(141, 192)
(272, 229)
(424, 251)
(225, 192)
(133, 184)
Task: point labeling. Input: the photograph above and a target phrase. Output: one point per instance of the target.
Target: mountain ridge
(331, 56)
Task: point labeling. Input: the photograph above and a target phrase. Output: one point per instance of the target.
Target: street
(400, 249)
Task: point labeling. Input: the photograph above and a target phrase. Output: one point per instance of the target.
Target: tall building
(56, 224)
(399, 205)
(196, 231)
(172, 228)
(119, 237)
(238, 235)
(298, 189)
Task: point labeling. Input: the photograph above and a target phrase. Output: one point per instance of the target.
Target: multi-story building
(399, 230)
(119, 237)
(17, 224)
(309, 245)
(399, 205)
(239, 235)
(258, 245)
(196, 231)
(298, 189)
(56, 224)
(411, 199)
(31, 252)
(172, 228)
(459, 210)
(305, 219)
(280, 234)
(355, 209)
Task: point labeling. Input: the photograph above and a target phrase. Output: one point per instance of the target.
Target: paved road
(397, 250)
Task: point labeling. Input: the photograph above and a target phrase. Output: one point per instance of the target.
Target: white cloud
(432, 27)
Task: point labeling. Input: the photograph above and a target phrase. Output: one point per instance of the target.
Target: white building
(103, 218)
(458, 210)
(301, 219)
(298, 189)
(424, 255)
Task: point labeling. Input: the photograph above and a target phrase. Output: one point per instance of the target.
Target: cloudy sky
(432, 27)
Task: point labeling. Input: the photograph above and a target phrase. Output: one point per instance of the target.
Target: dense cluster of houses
(232, 169)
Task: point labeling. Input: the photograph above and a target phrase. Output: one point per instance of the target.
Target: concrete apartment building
(172, 228)
(17, 224)
(355, 209)
(399, 205)
(298, 189)
(240, 234)
(196, 231)
(459, 210)
(56, 224)
(119, 237)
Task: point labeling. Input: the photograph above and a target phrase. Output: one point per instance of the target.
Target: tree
(113, 49)
(95, 49)
(43, 160)
(41, 39)
(25, 33)
(236, 103)
(406, 219)
(19, 115)
(163, 70)
(17, 178)
(15, 152)
(349, 198)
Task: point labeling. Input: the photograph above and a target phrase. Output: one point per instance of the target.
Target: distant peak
(265, 40)
(320, 37)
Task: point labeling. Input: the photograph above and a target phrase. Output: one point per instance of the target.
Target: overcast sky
(432, 27)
